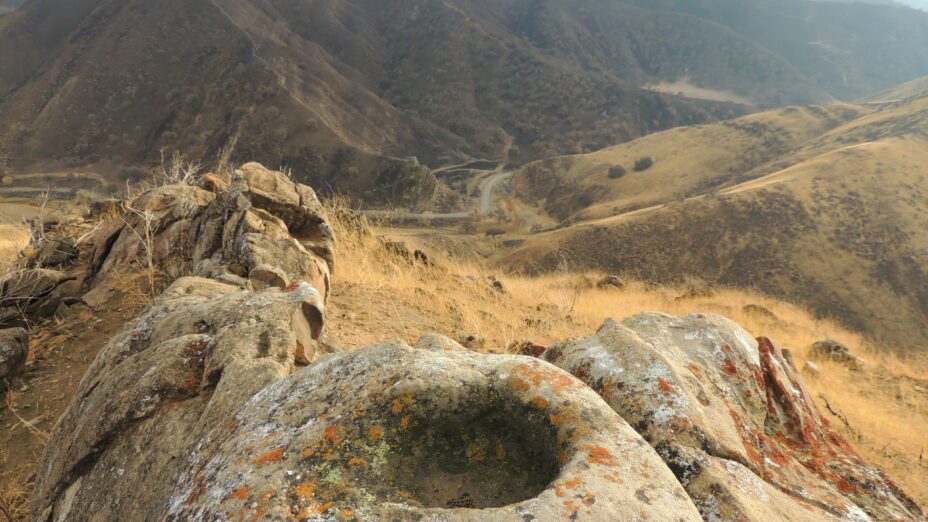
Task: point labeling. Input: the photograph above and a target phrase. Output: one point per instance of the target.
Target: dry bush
(14, 501)
(380, 295)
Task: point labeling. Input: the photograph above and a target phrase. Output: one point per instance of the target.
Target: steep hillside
(838, 222)
(334, 89)
(849, 50)
(344, 90)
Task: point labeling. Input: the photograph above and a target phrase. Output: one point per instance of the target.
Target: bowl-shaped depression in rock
(402, 433)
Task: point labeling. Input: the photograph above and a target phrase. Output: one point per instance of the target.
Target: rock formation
(221, 402)
(731, 416)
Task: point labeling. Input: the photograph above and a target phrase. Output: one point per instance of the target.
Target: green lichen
(334, 476)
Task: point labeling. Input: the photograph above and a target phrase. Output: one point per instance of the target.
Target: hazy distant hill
(823, 205)
(339, 89)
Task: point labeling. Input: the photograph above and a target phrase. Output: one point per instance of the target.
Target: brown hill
(838, 222)
(340, 89)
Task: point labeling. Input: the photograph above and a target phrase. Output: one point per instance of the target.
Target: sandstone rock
(179, 371)
(395, 433)
(264, 223)
(14, 347)
(834, 351)
(610, 282)
(760, 312)
(31, 295)
(730, 415)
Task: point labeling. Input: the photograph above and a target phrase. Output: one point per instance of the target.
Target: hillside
(824, 206)
(343, 92)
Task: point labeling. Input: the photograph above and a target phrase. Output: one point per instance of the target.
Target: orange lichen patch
(571, 506)
(357, 461)
(519, 384)
(540, 402)
(600, 455)
(555, 420)
(588, 499)
(305, 491)
(614, 479)
(404, 423)
(574, 483)
(238, 494)
(664, 385)
(275, 455)
(292, 286)
(347, 513)
(563, 457)
(397, 407)
(374, 434)
(304, 513)
(331, 435)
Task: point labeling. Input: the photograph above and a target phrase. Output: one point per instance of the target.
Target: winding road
(483, 203)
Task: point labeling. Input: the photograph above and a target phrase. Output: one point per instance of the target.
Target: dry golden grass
(379, 295)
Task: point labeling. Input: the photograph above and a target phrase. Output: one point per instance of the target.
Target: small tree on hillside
(616, 171)
(643, 164)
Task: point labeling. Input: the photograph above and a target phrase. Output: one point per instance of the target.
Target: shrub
(643, 163)
(616, 171)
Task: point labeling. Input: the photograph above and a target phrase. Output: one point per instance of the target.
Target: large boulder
(264, 228)
(31, 295)
(435, 433)
(174, 374)
(14, 347)
(731, 416)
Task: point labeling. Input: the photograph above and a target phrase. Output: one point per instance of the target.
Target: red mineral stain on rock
(664, 385)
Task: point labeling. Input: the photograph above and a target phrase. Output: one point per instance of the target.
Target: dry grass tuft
(380, 295)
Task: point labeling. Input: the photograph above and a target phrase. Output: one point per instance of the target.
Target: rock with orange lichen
(434, 433)
(170, 377)
(733, 420)
(264, 229)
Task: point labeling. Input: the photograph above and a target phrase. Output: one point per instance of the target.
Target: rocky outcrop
(434, 433)
(14, 347)
(31, 295)
(265, 229)
(834, 351)
(224, 401)
(731, 416)
(174, 374)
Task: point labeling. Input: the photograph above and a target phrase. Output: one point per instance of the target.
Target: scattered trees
(616, 171)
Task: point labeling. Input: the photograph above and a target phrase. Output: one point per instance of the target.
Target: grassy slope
(379, 296)
(838, 223)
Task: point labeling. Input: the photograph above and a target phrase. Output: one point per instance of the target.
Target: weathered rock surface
(32, 295)
(56, 252)
(14, 347)
(730, 415)
(180, 370)
(435, 433)
(834, 351)
(265, 228)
